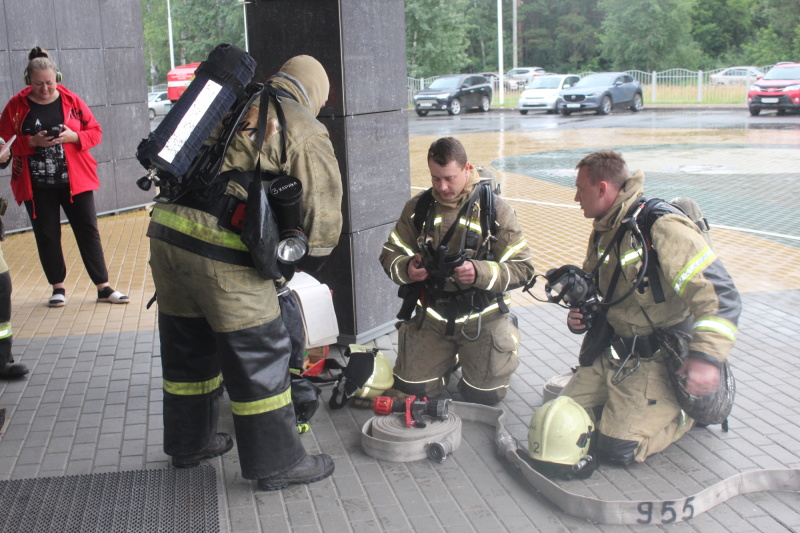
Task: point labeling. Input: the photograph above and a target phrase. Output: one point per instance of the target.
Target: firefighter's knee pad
(617, 451)
(484, 397)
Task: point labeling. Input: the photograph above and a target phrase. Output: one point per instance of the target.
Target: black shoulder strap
(628, 224)
(262, 120)
(488, 209)
(421, 209)
(488, 217)
(652, 210)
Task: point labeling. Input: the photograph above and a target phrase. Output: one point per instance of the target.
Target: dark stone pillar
(362, 46)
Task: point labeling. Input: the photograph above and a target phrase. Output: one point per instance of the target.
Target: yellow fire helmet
(381, 379)
(559, 438)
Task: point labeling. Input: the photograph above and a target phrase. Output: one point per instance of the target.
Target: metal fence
(674, 86)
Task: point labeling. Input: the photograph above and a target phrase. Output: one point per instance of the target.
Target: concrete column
(362, 46)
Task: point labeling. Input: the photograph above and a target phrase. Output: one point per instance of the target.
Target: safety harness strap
(599, 510)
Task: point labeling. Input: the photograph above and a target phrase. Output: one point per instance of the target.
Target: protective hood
(633, 188)
(472, 179)
(304, 78)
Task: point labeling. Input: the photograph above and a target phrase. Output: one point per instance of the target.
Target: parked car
(542, 92)
(158, 104)
(517, 78)
(735, 75)
(601, 93)
(454, 92)
(779, 89)
(491, 76)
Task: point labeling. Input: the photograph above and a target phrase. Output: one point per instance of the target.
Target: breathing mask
(570, 287)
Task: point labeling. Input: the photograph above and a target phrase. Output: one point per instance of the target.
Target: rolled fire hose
(414, 443)
(388, 438)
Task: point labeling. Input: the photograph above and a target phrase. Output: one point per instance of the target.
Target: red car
(779, 90)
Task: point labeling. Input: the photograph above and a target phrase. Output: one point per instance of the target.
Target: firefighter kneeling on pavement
(627, 389)
(455, 251)
(218, 317)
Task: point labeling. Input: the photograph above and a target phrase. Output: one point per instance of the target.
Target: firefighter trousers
(636, 417)
(426, 357)
(221, 323)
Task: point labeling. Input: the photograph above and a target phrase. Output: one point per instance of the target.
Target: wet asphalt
(497, 120)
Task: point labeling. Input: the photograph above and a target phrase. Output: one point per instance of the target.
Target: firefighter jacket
(309, 157)
(694, 280)
(510, 267)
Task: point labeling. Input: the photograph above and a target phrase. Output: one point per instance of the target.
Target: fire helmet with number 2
(559, 438)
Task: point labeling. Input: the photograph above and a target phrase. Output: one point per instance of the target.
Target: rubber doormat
(147, 501)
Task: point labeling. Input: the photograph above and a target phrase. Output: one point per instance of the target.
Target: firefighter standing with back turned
(218, 318)
(458, 282)
(637, 413)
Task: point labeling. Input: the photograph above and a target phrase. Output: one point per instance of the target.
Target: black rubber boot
(311, 468)
(617, 451)
(220, 443)
(13, 371)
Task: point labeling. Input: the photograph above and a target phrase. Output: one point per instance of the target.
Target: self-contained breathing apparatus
(571, 287)
(270, 223)
(221, 86)
(440, 261)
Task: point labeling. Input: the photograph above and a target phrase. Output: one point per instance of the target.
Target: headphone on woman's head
(37, 52)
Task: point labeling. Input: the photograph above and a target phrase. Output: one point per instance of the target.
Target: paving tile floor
(92, 402)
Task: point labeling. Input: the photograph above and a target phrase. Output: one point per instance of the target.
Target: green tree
(200, 25)
(481, 25)
(436, 37)
(780, 39)
(721, 27)
(197, 27)
(560, 35)
(156, 40)
(766, 48)
(648, 34)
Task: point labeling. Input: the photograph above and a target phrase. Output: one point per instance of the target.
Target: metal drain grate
(172, 500)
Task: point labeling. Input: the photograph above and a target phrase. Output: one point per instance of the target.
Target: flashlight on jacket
(286, 199)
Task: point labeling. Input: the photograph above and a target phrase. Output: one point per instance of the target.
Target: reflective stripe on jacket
(700, 285)
(512, 264)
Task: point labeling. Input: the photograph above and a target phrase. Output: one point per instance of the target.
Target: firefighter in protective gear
(559, 439)
(219, 319)
(635, 406)
(460, 317)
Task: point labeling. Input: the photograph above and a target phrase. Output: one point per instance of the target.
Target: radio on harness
(221, 84)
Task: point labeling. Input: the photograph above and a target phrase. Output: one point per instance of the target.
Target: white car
(517, 78)
(158, 104)
(542, 92)
(736, 75)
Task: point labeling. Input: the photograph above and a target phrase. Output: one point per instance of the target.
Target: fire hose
(393, 441)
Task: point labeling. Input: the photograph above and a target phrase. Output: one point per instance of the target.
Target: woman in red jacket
(52, 168)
